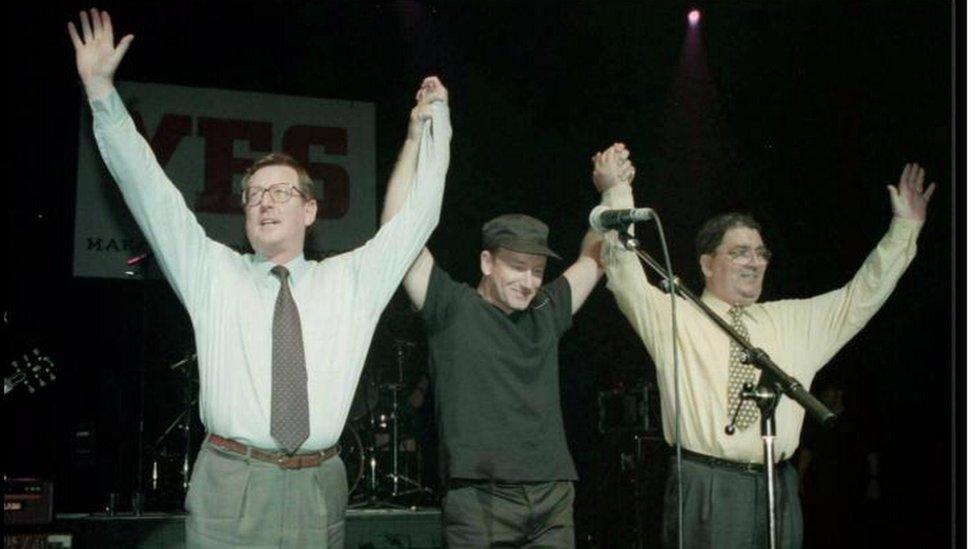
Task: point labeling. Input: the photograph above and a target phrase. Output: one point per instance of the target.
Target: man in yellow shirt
(722, 482)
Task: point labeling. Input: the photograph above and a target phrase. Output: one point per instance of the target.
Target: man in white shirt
(281, 340)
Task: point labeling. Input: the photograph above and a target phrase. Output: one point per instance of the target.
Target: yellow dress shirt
(800, 335)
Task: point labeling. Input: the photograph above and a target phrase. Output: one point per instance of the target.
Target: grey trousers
(238, 502)
(509, 514)
(725, 508)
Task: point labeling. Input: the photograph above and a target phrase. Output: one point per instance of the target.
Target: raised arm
(414, 201)
(645, 306)
(610, 167)
(401, 180)
(827, 321)
(180, 244)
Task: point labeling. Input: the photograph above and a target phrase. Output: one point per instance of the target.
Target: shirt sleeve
(647, 308)
(561, 295)
(381, 263)
(821, 325)
(440, 298)
(179, 243)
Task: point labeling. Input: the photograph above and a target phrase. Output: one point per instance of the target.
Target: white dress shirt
(230, 296)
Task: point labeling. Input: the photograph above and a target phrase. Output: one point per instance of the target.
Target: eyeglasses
(741, 255)
(280, 193)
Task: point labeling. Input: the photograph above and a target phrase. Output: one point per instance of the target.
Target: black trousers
(509, 514)
(725, 507)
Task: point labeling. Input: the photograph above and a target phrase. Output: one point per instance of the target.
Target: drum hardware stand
(401, 346)
(183, 421)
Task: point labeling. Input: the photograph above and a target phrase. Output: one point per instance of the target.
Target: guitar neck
(9, 383)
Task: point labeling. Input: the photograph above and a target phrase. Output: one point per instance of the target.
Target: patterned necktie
(740, 373)
(289, 380)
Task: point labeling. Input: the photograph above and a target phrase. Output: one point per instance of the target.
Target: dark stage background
(800, 114)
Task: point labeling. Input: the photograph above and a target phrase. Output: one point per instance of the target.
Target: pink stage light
(693, 17)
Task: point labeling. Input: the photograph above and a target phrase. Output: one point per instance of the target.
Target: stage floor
(374, 528)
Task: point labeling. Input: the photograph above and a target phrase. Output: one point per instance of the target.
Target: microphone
(603, 219)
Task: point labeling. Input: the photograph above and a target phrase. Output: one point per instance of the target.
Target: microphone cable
(672, 290)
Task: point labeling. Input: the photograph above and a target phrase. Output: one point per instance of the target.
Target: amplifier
(631, 410)
(27, 501)
(36, 541)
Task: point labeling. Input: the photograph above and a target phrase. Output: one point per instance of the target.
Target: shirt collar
(261, 267)
(722, 307)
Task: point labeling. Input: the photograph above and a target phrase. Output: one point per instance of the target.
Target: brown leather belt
(297, 461)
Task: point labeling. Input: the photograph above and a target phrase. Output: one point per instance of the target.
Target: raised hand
(96, 54)
(911, 198)
(612, 167)
(431, 90)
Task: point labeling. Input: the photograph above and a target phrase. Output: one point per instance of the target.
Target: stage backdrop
(205, 139)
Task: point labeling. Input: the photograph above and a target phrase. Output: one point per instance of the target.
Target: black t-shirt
(496, 382)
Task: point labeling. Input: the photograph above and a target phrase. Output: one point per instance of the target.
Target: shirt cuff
(902, 229)
(109, 109)
(618, 197)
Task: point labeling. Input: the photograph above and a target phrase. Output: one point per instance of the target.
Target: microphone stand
(140, 269)
(773, 381)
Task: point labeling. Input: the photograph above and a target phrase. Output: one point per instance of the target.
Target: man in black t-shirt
(494, 368)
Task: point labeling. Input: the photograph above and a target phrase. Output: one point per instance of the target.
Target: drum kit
(379, 445)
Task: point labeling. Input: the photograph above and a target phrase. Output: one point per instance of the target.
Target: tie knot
(281, 272)
(736, 311)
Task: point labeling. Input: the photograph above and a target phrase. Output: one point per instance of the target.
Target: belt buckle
(281, 460)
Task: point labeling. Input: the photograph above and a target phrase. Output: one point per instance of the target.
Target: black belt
(455, 483)
(713, 461)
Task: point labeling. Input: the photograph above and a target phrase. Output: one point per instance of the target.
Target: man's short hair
(281, 159)
(713, 231)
